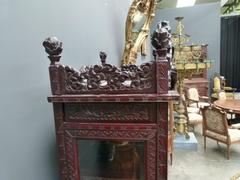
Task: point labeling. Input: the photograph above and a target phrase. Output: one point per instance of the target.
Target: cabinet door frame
(146, 133)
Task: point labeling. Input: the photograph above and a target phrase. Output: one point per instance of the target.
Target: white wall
(27, 137)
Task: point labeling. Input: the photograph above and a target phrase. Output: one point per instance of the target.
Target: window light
(185, 3)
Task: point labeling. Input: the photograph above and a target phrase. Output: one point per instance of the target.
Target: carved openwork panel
(118, 112)
(111, 133)
(107, 78)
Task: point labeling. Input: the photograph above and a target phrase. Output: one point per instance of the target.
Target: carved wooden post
(160, 41)
(53, 48)
(162, 141)
(162, 71)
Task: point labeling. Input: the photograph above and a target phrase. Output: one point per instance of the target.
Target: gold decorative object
(139, 18)
(186, 53)
(187, 60)
(196, 51)
(179, 38)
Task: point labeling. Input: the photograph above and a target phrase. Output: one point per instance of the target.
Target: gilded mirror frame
(140, 10)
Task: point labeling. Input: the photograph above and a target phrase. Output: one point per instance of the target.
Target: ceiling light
(185, 3)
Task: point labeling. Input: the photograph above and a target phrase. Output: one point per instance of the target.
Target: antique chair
(215, 126)
(195, 100)
(193, 115)
(189, 109)
(222, 96)
(219, 84)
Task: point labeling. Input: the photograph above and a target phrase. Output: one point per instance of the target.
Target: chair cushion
(193, 94)
(235, 126)
(222, 96)
(193, 110)
(195, 118)
(234, 134)
(200, 104)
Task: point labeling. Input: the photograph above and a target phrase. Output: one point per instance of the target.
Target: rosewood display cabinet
(111, 122)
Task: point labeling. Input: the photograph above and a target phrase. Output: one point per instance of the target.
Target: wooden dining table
(230, 104)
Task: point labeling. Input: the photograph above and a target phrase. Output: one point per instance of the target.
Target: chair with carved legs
(195, 100)
(192, 114)
(215, 127)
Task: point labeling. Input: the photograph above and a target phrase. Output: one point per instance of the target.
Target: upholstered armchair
(195, 100)
(189, 109)
(215, 127)
(219, 84)
(192, 114)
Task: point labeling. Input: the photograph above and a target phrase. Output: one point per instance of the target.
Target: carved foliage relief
(109, 112)
(108, 78)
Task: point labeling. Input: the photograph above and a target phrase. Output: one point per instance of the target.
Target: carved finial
(53, 48)
(103, 57)
(160, 38)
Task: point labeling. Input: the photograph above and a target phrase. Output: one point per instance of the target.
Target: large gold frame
(139, 18)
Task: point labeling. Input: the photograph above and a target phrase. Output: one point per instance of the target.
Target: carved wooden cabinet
(111, 122)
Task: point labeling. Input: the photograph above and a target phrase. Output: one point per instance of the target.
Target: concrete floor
(211, 164)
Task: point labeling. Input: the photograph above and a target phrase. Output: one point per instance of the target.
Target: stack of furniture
(199, 81)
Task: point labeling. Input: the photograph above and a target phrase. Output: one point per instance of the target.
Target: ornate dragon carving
(109, 78)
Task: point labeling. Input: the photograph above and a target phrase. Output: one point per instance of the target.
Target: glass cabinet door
(111, 160)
